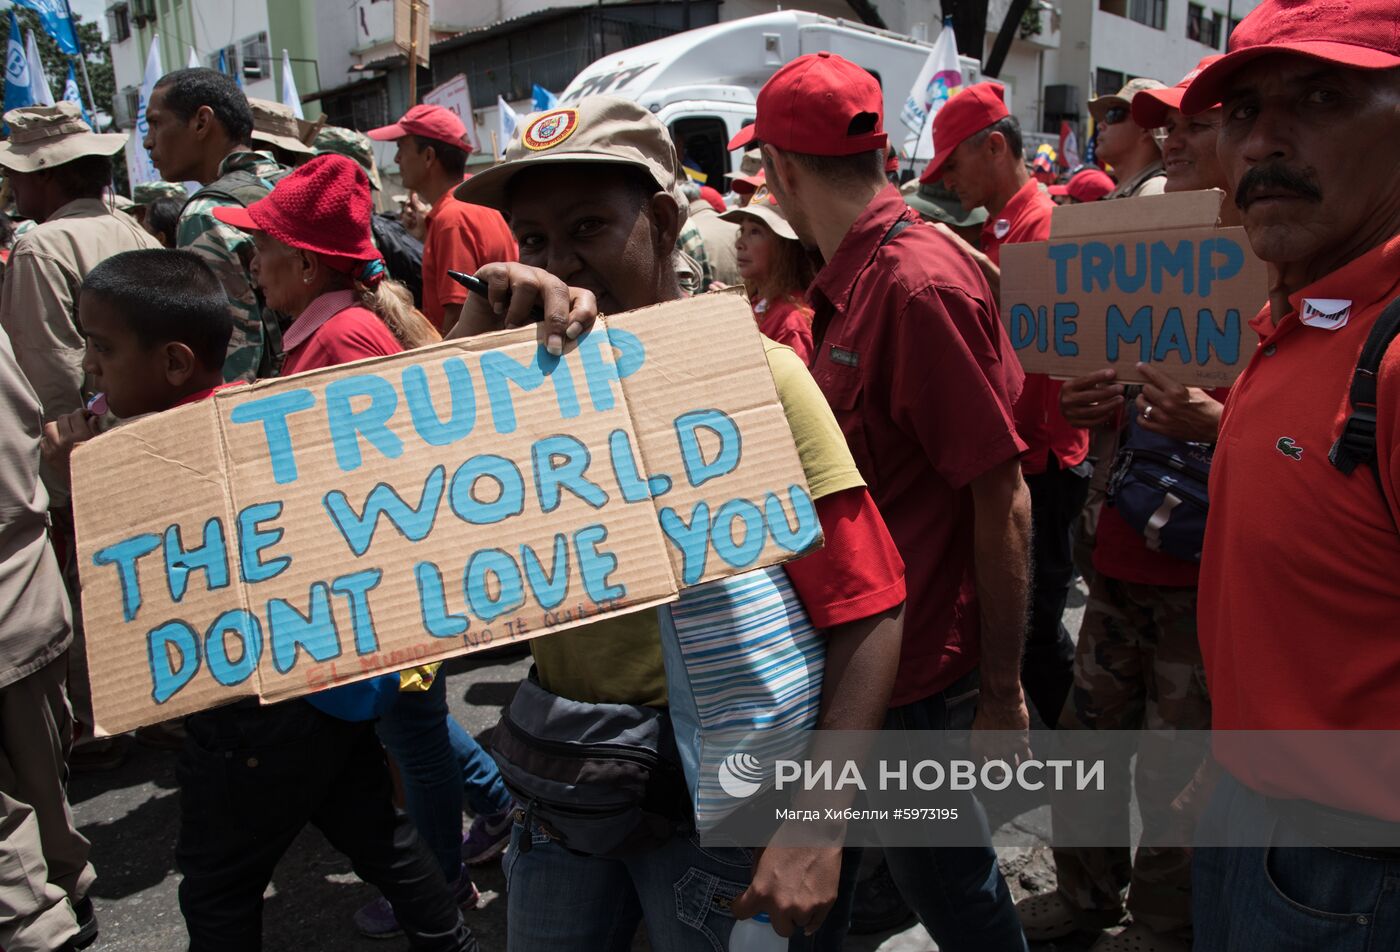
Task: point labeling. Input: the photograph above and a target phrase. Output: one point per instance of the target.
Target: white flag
(289, 86)
(936, 83)
(139, 166)
(39, 90)
(194, 62)
(509, 120)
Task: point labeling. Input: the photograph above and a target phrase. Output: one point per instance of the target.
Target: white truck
(703, 83)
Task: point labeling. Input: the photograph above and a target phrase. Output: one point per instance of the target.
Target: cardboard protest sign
(322, 528)
(1150, 279)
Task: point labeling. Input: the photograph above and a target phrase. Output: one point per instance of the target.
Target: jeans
(563, 901)
(415, 731)
(441, 764)
(1291, 895)
(957, 892)
(251, 778)
(1057, 496)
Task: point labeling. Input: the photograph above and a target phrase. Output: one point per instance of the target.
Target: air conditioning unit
(143, 11)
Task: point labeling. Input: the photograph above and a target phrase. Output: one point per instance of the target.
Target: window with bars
(1204, 26)
(1151, 13)
(256, 56)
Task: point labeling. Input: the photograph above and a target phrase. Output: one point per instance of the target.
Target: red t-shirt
(460, 237)
(1038, 418)
(918, 369)
(352, 334)
(786, 322)
(199, 395)
(857, 572)
(1299, 608)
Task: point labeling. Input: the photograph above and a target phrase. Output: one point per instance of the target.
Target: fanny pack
(599, 779)
(1159, 486)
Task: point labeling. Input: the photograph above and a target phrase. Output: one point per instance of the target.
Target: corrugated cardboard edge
(1164, 212)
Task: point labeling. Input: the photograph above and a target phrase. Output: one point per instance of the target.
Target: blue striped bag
(744, 668)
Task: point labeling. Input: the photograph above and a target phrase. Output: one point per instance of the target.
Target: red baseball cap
(810, 106)
(1150, 106)
(963, 116)
(431, 122)
(1088, 185)
(1358, 34)
(322, 206)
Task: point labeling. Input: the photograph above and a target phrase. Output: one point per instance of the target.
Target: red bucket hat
(1150, 107)
(1357, 34)
(810, 104)
(961, 118)
(322, 206)
(430, 122)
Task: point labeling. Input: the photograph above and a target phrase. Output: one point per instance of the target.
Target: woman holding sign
(315, 259)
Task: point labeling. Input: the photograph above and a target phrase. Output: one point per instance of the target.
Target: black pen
(478, 286)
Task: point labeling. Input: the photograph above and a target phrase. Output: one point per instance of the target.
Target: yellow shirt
(618, 660)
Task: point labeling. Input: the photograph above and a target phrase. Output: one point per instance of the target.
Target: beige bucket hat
(764, 207)
(42, 137)
(598, 129)
(1099, 107)
(276, 124)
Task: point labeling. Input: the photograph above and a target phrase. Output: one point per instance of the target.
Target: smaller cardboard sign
(1152, 279)
(314, 530)
(456, 96)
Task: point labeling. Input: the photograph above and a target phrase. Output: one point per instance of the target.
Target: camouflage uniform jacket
(257, 339)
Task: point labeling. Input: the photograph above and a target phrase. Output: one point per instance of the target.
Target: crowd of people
(959, 496)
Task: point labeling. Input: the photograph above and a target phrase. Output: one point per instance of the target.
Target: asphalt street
(131, 815)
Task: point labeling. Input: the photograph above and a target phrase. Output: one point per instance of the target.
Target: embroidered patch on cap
(550, 129)
(1326, 313)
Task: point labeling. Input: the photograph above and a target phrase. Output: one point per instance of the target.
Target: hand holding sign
(1093, 399)
(514, 290)
(1182, 413)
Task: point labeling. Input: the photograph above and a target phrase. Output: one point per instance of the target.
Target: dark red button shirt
(1038, 418)
(916, 365)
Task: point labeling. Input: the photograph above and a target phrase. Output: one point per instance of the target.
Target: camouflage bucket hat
(276, 124)
(148, 192)
(42, 137)
(338, 140)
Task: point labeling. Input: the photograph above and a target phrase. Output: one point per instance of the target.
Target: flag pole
(82, 62)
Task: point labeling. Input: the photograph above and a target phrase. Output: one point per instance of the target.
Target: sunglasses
(1114, 116)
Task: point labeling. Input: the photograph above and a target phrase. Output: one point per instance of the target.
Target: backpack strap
(1357, 444)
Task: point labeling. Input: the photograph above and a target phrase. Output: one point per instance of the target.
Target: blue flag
(544, 99)
(71, 93)
(17, 91)
(57, 20)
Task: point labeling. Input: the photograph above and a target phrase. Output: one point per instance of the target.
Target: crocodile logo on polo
(1287, 447)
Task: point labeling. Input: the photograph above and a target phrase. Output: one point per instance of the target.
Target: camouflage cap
(42, 137)
(597, 130)
(148, 192)
(351, 144)
(1123, 99)
(276, 124)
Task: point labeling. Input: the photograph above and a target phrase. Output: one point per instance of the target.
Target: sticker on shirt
(1330, 314)
(848, 358)
(1001, 228)
(1287, 447)
(550, 129)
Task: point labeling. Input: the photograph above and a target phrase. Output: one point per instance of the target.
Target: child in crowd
(251, 777)
(776, 272)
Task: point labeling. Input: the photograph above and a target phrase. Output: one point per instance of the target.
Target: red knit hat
(962, 117)
(322, 206)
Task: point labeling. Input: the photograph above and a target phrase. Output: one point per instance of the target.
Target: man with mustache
(1300, 581)
(1137, 661)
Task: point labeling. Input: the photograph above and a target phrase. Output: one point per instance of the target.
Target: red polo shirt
(1300, 578)
(460, 237)
(1038, 418)
(915, 363)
